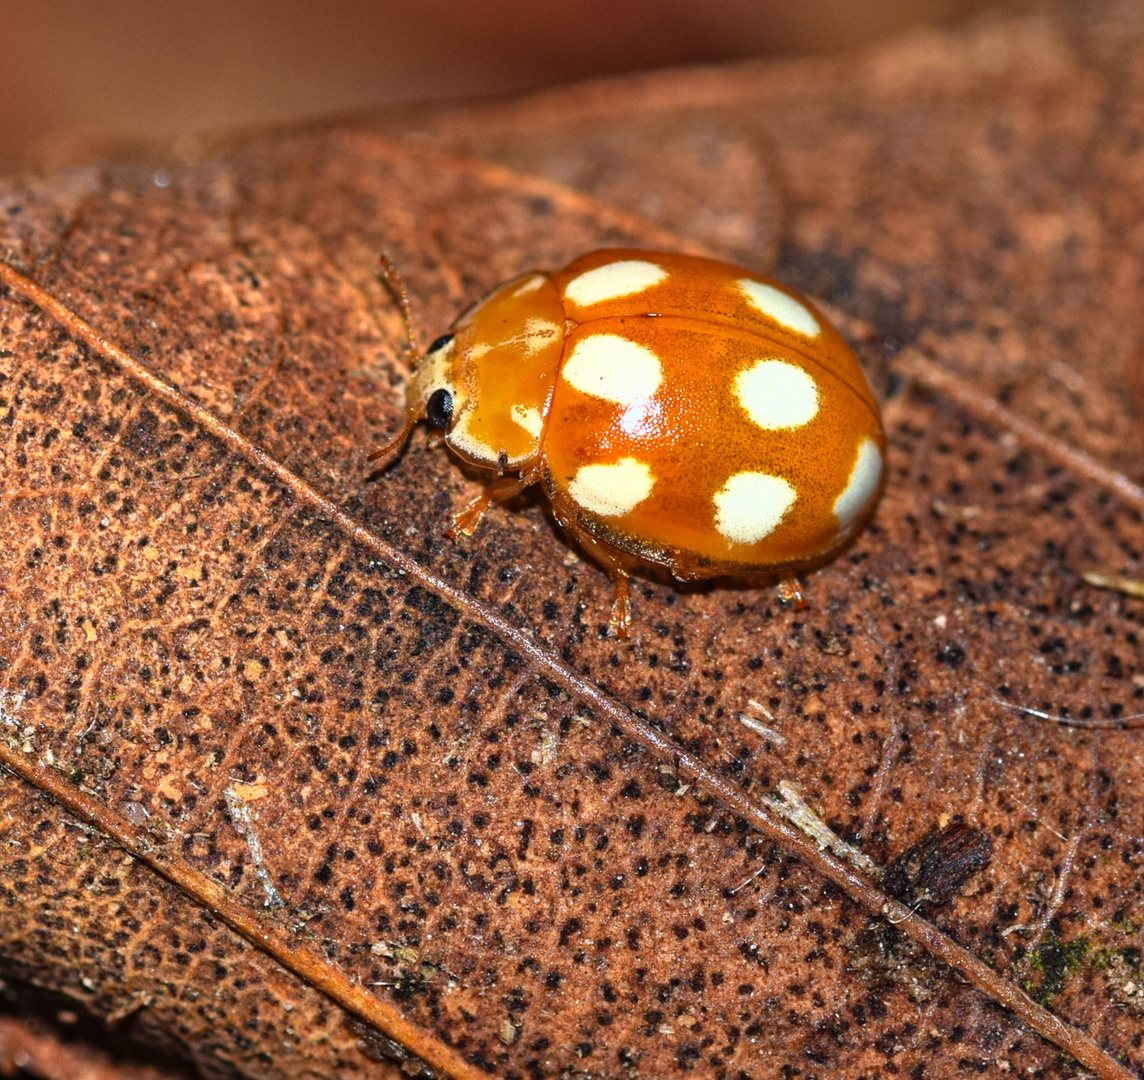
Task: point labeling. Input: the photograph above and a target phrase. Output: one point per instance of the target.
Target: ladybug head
(486, 385)
(430, 395)
(432, 389)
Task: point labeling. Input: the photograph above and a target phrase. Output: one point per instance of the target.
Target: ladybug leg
(621, 619)
(790, 592)
(465, 521)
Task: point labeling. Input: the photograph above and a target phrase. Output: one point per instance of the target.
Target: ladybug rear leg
(465, 521)
(621, 620)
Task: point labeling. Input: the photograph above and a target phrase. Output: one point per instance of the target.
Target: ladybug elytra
(677, 411)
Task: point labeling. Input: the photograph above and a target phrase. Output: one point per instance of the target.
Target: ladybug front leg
(466, 521)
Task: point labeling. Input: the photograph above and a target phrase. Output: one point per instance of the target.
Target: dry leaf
(416, 774)
(31, 1048)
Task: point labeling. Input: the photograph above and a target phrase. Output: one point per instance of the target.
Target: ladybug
(678, 412)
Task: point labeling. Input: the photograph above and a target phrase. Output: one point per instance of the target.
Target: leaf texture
(246, 694)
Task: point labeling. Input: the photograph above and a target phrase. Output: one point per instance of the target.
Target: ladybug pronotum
(678, 412)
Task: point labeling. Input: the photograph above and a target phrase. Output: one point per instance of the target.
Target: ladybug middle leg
(465, 521)
(621, 620)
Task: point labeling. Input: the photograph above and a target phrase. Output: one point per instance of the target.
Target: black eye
(439, 409)
(440, 343)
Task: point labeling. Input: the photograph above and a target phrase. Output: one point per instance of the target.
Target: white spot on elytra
(613, 280)
(778, 305)
(539, 334)
(612, 490)
(613, 368)
(862, 485)
(529, 285)
(529, 419)
(777, 394)
(750, 506)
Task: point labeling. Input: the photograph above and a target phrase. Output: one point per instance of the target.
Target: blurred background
(77, 69)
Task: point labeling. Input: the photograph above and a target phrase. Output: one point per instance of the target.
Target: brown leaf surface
(31, 1048)
(202, 660)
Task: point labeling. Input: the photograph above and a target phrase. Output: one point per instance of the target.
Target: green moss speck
(1055, 960)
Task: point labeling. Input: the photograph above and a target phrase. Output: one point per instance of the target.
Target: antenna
(389, 449)
(391, 278)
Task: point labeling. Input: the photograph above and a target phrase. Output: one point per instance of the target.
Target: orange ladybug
(678, 412)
